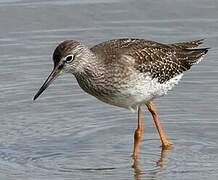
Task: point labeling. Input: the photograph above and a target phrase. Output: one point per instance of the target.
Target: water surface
(67, 134)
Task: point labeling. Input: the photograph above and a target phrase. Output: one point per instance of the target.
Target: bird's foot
(134, 156)
(166, 145)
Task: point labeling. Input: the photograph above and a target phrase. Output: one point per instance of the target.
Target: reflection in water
(138, 172)
(163, 156)
(137, 169)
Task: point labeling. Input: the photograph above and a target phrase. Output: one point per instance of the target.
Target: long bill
(54, 74)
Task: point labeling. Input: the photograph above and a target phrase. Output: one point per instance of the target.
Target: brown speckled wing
(165, 62)
(160, 61)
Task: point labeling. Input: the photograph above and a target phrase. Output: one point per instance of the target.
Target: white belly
(142, 90)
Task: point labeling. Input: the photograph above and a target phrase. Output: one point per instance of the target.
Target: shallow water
(67, 134)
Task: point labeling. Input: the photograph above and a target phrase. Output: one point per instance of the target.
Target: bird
(127, 73)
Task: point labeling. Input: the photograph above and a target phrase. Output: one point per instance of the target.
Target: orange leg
(138, 134)
(165, 142)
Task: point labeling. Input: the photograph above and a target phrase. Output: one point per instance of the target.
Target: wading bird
(127, 73)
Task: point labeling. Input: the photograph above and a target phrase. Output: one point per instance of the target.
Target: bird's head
(69, 56)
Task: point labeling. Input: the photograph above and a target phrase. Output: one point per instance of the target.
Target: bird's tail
(189, 44)
(194, 56)
(190, 52)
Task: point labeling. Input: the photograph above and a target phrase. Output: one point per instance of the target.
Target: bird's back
(161, 61)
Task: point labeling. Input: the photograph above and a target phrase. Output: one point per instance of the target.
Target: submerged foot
(166, 145)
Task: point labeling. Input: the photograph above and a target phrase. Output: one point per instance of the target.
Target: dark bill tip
(54, 74)
(44, 86)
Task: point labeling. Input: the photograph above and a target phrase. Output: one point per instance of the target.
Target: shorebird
(127, 73)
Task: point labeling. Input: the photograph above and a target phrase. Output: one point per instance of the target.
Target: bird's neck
(91, 67)
(90, 73)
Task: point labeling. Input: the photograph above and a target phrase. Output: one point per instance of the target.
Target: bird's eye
(69, 58)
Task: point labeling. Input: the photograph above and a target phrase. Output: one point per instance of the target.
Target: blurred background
(67, 134)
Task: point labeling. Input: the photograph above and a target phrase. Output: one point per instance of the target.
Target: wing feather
(161, 61)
